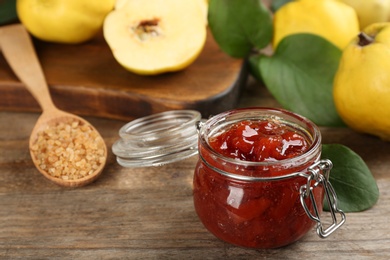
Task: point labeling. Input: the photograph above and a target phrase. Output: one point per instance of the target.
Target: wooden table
(147, 213)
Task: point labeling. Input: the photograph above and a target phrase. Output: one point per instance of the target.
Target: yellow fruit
(120, 3)
(330, 19)
(203, 5)
(156, 36)
(362, 83)
(370, 11)
(63, 21)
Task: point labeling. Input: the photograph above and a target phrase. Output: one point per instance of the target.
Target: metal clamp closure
(319, 175)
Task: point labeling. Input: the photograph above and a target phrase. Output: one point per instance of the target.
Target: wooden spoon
(19, 52)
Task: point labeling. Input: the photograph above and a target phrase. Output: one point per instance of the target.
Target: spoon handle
(18, 50)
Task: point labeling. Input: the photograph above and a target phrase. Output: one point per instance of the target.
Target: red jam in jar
(248, 181)
(259, 141)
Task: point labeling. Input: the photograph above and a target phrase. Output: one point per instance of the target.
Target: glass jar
(158, 139)
(263, 204)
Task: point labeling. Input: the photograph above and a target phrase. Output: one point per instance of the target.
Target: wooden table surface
(147, 213)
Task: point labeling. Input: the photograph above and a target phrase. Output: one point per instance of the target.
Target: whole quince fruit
(370, 11)
(330, 19)
(362, 83)
(63, 21)
(156, 36)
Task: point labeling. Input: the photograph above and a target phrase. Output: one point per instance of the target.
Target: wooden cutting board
(85, 79)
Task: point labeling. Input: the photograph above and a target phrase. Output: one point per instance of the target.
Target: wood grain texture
(85, 79)
(147, 213)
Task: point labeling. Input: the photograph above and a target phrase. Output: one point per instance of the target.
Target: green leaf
(7, 11)
(300, 77)
(276, 4)
(239, 27)
(253, 62)
(351, 179)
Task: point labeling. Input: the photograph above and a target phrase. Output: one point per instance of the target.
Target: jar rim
(172, 136)
(257, 113)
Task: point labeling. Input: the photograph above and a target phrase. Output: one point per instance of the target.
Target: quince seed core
(147, 29)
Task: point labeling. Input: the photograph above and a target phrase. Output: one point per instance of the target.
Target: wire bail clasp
(319, 174)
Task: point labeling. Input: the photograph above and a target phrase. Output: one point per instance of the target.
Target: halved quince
(204, 6)
(120, 3)
(156, 36)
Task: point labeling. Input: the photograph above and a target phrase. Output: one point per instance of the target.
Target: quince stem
(365, 39)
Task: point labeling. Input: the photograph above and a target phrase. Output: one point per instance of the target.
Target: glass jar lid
(158, 139)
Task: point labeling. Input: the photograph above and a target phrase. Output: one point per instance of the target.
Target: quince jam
(259, 141)
(252, 163)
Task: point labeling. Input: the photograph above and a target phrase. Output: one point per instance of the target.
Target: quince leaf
(239, 27)
(7, 11)
(276, 4)
(300, 77)
(351, 179)
(253, 62)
